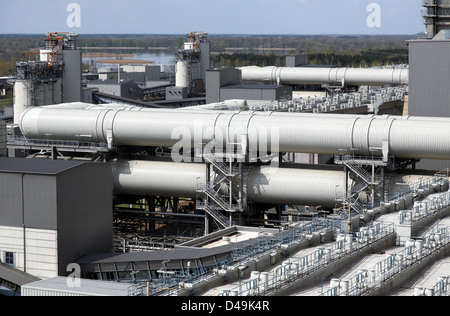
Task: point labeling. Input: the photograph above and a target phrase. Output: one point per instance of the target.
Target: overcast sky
(211, 16)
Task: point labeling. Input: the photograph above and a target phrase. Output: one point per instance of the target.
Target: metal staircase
(354, 204)
(370, 180)
(217, 215)
(215, 203)
(359, 170)
(217, 198)
(219, 165)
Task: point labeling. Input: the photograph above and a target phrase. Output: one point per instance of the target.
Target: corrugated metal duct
(325, 75)
(301, 185)
(321, 134)
(264, 184)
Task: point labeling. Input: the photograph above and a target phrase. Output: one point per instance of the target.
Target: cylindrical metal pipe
(304, 185)
(325, 75)
(264, 184)
(321, 134)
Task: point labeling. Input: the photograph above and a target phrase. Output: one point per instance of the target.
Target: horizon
(251, 17)
(223, 34)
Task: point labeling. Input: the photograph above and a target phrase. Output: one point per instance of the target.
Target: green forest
(367, 58)
(237, 50)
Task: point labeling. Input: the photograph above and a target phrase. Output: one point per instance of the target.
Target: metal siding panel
(84, 205)
(10, 200)
(72, 75)
(429, 79)
(429, 86)
(40, 201)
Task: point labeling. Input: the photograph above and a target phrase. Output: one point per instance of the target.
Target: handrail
(368, 279)
(298, 268)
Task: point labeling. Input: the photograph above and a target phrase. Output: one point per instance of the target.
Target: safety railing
(172, 281)
(23, 141)
(216, 197)
(422, 188)
(217, 215)
(220, 165)
(367, 280)
(427, 207)
(441, 288)
(261, 284)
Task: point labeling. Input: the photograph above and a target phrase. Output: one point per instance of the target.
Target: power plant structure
(52, 78)
(237, 197)
(437, 16)
(193, 60)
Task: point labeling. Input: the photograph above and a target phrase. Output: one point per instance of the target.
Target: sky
(305, 17)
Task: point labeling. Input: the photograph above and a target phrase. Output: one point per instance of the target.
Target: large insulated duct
(264, 184)
(325, 75)
(321, 134)
(302, 185)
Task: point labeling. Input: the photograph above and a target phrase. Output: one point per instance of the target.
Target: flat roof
(37, 166)
(253, 86)
(200, 248)
(87, 287)
(109, 82)
(16, 276)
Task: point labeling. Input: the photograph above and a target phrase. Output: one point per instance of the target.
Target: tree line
(321, 49)
(368, 58)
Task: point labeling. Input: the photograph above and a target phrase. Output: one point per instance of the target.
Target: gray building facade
(429, 83)
(225, 84)
(255, 92)
(429, 78)
(125, 89)
(52, 213)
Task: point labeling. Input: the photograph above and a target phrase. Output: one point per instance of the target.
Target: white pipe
(321, 134)
(325, 75)
(304, 185)
(264, 184)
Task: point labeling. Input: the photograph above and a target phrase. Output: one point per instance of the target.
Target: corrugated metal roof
(16, 276)
(182, 252)
(37, 166)
(176, 254)
(87, 287)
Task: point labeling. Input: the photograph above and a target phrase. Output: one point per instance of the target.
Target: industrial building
(123, 88)
(213, 199)
(71, 197)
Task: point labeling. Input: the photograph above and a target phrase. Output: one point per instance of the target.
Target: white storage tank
(23, 98)
(182, 74)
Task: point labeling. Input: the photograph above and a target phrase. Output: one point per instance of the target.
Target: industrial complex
(186, 180)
